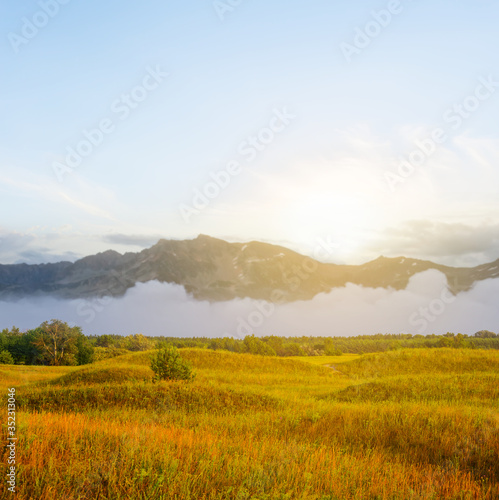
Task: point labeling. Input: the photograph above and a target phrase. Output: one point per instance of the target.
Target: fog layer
(154, 308)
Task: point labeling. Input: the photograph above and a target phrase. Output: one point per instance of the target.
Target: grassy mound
(104, 374)
(419, 361)
(157, 397)
(394, 426)
(205, 359)
(446, 436)
(470, 387)
(19, 375)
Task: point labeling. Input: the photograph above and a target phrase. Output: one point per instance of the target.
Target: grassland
(410, 424)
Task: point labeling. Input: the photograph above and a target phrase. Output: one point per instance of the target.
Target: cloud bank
(154, 308)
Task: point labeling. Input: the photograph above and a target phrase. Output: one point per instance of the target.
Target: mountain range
(216, 270)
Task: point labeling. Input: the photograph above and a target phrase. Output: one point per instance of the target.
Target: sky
(372, 124)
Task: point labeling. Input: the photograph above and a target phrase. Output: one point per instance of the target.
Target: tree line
(56, 343)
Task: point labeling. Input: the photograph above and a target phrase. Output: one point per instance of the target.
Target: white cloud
(42, 189)
(447, 243)
(340, 193)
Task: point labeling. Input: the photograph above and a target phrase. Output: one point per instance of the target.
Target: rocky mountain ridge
(215, 270)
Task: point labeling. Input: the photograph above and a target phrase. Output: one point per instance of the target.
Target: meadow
(405, 424)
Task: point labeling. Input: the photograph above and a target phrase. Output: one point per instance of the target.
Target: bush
(333, 351)
(167, 364)
(6, 358)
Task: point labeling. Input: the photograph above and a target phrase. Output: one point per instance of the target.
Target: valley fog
(154, 309)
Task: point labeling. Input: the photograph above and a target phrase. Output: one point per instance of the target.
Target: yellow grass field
(327, 360)
(411, 424)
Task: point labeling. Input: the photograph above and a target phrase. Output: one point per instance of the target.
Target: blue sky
(329, 170)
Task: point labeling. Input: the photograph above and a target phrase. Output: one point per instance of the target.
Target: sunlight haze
(305, 124)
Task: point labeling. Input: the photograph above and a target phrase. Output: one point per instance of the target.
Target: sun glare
(338, 216)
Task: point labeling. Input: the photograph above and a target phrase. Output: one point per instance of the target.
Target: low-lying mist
(154, 308)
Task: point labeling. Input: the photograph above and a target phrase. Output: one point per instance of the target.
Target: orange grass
(414, 424)
(135, 460)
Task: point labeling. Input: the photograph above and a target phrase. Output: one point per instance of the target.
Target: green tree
(254, 345)
(276, 343)
(6, 358)
(138, 342)
(167, 364)
(4, 339)
(19, 345)
(85, 349)
(105, 341)
(485, 334)
(56, 342)
(445, 342)
(293, 349)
